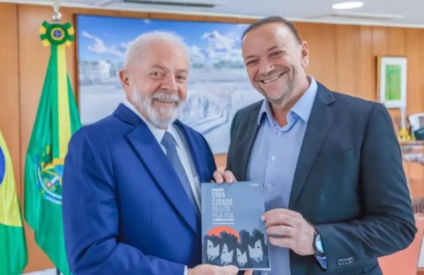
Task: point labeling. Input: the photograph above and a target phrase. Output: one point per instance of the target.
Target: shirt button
(272, 158)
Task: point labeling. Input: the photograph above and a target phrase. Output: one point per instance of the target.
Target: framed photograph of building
(218, 84)
(392, 81)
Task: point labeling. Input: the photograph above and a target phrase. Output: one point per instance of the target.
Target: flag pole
(56, 19)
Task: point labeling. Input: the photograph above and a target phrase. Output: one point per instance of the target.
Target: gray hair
(137, 47)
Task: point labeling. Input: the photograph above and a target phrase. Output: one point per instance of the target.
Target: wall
(343, 57)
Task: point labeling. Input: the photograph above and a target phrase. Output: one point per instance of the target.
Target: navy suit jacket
(349, 182)
(124, 209)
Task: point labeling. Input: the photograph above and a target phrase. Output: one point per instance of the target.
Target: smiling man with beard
(131, 180)
(335, 190)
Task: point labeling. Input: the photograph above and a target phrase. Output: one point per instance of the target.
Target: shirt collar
(301, 109)
(158, 133)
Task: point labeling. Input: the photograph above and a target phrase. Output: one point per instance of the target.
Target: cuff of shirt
(322, 261)
(185, 270)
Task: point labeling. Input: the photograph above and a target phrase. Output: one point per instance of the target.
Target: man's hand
(206, 269)
(226, 177)
(289, 229)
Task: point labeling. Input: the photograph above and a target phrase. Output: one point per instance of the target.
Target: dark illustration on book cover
(232, 230)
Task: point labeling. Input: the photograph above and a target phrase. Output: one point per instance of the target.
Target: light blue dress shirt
(273, 162)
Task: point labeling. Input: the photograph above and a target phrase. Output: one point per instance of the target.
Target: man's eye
(156, 74)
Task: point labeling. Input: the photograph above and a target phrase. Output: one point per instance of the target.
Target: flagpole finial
(57, 16)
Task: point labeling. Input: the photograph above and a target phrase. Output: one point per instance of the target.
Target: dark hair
(273, 19)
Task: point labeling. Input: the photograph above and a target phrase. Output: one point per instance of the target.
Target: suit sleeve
(388, 224)
(91, 214)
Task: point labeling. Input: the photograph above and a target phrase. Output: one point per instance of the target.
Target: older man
(131, 180)
(335, 189)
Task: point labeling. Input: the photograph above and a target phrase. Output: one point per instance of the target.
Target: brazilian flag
(13, 250)
(56, 121)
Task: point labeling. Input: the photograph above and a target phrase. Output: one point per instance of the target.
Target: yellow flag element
(9, 204)
(63, 101)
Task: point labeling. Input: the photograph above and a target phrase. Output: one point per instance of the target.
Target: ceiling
(373, 12)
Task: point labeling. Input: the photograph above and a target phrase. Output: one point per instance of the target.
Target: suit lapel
(151, 154)
(247, 141)
(320, 121)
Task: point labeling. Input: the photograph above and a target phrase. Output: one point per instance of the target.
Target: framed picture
(218, 84)
(392, 81)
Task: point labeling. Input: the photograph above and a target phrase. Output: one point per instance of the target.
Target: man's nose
(170, 83)
(265, 67)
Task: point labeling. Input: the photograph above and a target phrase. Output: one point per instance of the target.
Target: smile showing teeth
(272, 79)
(164, 101)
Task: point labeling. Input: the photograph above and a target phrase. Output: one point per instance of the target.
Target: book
(233, 232)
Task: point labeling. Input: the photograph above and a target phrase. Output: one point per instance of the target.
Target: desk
(413, 154)
(413, 151)
(413, 157)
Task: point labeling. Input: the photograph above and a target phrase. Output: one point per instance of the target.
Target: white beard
(162, 116)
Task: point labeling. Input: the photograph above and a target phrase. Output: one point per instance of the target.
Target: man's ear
(126, 83)
(305, 54)
(125, 80)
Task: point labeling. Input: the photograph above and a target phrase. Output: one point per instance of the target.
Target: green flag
(13, 250)
(56, 120)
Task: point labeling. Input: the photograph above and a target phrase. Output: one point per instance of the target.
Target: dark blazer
(124, 209)
(349, 182)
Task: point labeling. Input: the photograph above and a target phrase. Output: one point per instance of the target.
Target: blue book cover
(233, 232)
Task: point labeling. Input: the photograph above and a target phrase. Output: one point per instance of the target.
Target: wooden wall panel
(413, 48)
(9, 85)
(348, 52)
(367, 64)
(343, 58)
(321, 39)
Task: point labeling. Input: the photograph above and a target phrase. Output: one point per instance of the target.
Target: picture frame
(218, 85)
(392, 81)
